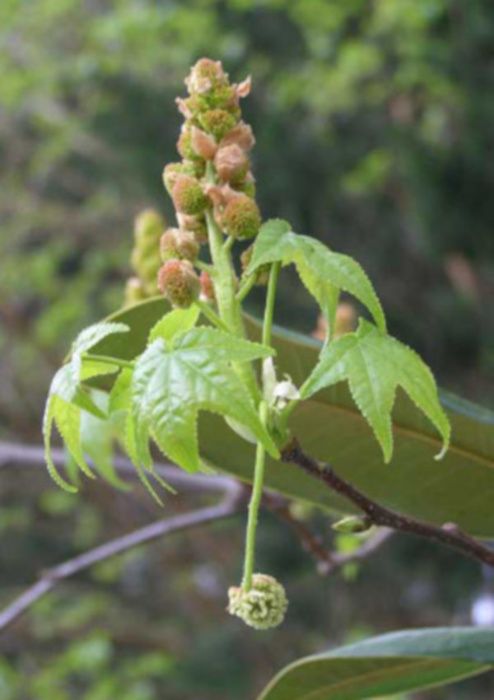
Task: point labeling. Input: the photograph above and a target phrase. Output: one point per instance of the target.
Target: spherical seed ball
(241, 217)
(217, 122)
(188, 196)
(179, 283)
(231, 163)
(263, 606)
(175, 243)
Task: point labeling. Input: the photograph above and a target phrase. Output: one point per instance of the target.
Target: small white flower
(277, 394)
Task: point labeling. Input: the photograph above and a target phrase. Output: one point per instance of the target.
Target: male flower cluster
(214, 175)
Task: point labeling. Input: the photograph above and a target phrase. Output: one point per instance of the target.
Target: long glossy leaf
(457, 489)
(398, 662)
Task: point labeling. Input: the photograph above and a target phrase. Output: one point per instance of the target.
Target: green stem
(245, 288)
(109, 360)
(269, 308)
(211, 316)
(255, 500)
(229, 243)
(203, 266)
(224, 283)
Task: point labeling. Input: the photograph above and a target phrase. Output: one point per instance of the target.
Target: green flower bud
(170, 174)
(352, 525)
(188, 196)
(175, 243)
(241, 217)
(185, 146)
(263, 606)
(248, 186)
(217, 122)
(179, 283)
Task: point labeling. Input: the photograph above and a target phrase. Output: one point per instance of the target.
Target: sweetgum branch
(327, 561)
(50, 578)
(448, 534)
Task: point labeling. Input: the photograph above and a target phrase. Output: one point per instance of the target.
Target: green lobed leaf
(397, 662)
(66, 398)
(174, 323)
(172, 383)
(375, 364)
(322, 271)
(331, 428)
(97, 439)
(119, 406)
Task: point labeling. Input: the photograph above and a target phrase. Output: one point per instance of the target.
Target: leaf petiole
(208, 312)
(108, 360)
(245, 288)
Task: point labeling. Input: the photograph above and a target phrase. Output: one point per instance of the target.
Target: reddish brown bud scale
(203, 144)
(242, 135)
(207, 286)
(188, 196)
(231, 163)
(179, 283)
(195, 225)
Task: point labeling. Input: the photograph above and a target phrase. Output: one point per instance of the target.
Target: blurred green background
(374, 133)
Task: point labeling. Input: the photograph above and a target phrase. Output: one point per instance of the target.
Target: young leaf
(322, 271)
(171, 384)
(120, 403)
(174, 323)
(97, 436)
(93, 334)
(375, 365)
(89, 337)
(63, 408)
